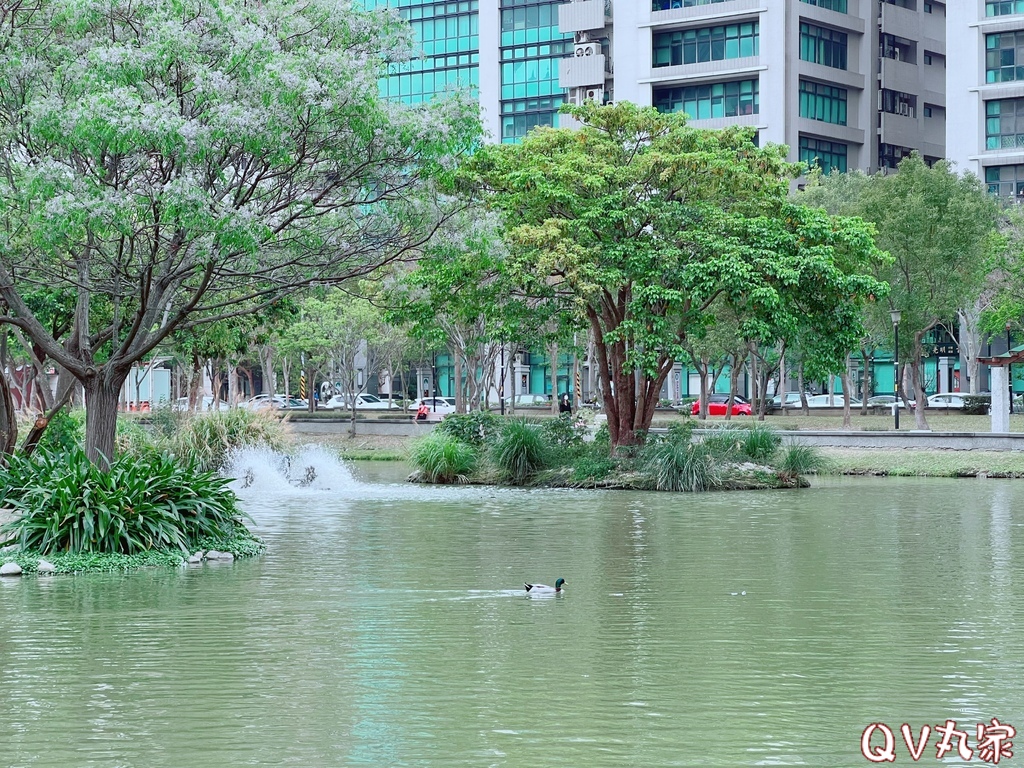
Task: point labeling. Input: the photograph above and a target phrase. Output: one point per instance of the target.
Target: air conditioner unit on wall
(588, 49)
(595, 93)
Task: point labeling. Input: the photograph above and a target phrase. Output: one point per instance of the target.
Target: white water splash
(261, 472)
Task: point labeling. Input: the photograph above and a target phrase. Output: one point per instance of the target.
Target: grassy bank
(919, 463)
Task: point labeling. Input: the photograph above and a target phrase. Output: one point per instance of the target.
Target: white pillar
(1000, 399)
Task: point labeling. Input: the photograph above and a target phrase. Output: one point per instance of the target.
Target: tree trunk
(732, 387)
(8, 421)
(101, 395)
(553, 352)
(460, 400)
(865, 384)
(803, 395)
(702, 402)
(920, 421)
(847, 394)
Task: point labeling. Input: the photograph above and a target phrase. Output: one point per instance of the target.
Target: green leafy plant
(976, 405)
(441, 458)
(65, 432)
(67, 504)
(566, 431)
(760, 443)
(724, 443)
(590, 468)
(475, 428)
(205, 439)
(520, 451)
(132, 438)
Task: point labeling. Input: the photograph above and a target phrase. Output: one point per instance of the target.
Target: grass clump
(153, 502)
(760, 443)
(801, 460)
(441, 458)
(520, 451)
(677, 465)
(204, 440)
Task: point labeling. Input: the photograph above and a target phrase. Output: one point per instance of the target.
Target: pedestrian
(565, 404)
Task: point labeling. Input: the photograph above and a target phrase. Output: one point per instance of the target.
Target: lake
(387, 625)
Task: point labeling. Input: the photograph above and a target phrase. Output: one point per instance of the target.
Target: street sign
(947, 349)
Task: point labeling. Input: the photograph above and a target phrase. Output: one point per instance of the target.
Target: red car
(718, 403)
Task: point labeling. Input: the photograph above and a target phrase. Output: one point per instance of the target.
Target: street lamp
(1009, 366)
(895, 315)
(501, 381)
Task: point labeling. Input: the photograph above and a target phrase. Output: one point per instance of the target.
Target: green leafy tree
(639, 224)
(939, 227)
(178, 163)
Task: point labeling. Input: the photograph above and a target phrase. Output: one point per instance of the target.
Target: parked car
(792, 400)
(887, 400)
(822, 401)
(206, 404)
(274, 402)
(946, 400)
(717, 405)
(527, 401)
(364, 402)
(434, 408)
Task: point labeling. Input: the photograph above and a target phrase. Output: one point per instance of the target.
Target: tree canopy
(639, 223)
(175, 161)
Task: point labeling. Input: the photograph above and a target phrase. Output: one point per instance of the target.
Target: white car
(364, 402)
(436, 407)
(526, 401)
(946, 400)
(821, 401)
(181, 404)
(274, 402)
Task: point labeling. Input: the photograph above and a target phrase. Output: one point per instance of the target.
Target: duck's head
(559, 583)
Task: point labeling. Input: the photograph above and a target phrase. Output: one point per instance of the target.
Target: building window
(520, 116)
(1003, 7)
(531, 46)
(832, 5)
(927, 111)
(898, 48)
(827, 155)
(1004, 124)
(1002, 52)
(1006, 181)
(889, 155)
(689, 46)
(823, 46)
(702, 102)
(447, 42)
(908, 4)
(899, 103)
(822, 102)
(664, 5)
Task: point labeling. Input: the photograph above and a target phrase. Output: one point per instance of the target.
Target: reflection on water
(387, 625)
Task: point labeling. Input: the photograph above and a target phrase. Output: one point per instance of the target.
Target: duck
(535, 589)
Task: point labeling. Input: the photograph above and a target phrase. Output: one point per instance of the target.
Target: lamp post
(433, 382)
(501, 382)
(895, 316)
(1009, 366)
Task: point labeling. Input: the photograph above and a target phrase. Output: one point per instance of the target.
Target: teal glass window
(690, 46)
(520, 116)
(447, 41)
(820, 45)
(823, 102)
(531, 46)
(1005, 181)
(1004, 57)
(1004, 124)
(701, 102)
(832, 5)
(828, 155)
(1003, 7)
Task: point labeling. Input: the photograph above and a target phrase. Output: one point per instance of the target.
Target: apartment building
(846, 83)
(987, 84)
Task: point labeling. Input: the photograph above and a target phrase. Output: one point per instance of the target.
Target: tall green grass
(442, 458)
(674, 465)
(801, 460)
(760, 443)
(520, 451)
(205, 439)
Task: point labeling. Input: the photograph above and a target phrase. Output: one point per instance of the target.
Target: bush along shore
(162, 501)
(483, 448)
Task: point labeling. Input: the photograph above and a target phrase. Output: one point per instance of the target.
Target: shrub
(592, 468)
(801, 460)
(724, 442)
(132, 438)
(674, 465)
(520, 451)
(142, 503)
(977, 405)
(441, 458)
(566, 431)
(65, 432)
(760, 443)
(475, 428)
(205, 439)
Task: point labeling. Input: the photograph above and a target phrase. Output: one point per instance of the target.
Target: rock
(227, 556)
(195, 558)
(213, 554)
(10, 569)
(45, 566)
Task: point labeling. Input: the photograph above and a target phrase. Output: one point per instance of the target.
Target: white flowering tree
(175, 160)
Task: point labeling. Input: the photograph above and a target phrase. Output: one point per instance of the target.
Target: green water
(386, 626)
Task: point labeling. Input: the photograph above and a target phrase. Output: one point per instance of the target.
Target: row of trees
(198, 174)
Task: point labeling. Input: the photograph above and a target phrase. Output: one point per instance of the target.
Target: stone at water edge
(10, 569)
(213, 554)
(227, 556)
(46, 567)
(195, 558)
